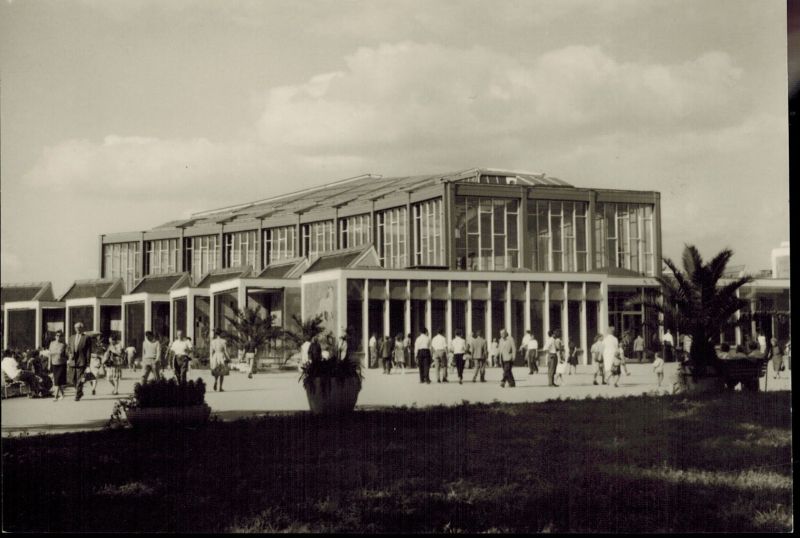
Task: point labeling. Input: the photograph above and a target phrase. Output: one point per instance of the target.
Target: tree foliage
(695, 302)
(251, 327)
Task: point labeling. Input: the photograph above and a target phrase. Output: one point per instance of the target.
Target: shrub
(168, 393)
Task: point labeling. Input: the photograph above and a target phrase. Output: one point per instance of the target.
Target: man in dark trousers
(508, 351)
(385, 352)
(479, 355)
(79, 352)
(422, 349)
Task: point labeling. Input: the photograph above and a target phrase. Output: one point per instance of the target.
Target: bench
(746, 371)
(13, 388)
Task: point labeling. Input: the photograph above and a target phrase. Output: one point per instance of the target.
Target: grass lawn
(635, 464)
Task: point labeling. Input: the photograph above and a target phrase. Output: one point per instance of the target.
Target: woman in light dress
(219, 359)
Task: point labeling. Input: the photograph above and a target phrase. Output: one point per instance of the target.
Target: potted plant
(165, 403)
(698, 306)
(330, 377)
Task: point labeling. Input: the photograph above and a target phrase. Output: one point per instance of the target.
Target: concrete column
(468, 321)
(365, 323)
(546, 310)
(753, 310)
(172, 321)
(123, 333)
(5, 327)
(602, 323)
(489, 316)
(507, 313)
(565, 316)
(37, 334)
(527, 315)
(212, 311)
(428, 313)
(190, 321)
(148, 315)
(448, 314)
(96, 316)
(67, 324)
(407, 310)
(584, 345)
(386, 311)
(241, 297)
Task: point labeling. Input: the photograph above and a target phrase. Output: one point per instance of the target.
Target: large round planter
(333, 396)
(150, 417)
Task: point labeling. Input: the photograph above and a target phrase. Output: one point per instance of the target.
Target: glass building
(476, 250)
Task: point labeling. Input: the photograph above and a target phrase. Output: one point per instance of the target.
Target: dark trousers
(424, 360)
(459, 359)
(181, 368)
(387, 365)
(31, 380)
(150, 368)
(533, 363)
(80, 379)
(552, 361)
(508, 375)
(480, 369)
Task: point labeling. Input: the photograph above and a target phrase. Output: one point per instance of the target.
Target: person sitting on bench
(11, 369)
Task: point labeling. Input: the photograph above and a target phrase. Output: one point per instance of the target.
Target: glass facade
(121, 260)
(161, 256)
(318, 237)
(355, 231)
(486, 233)
(428, 244)
(392, 226)
(624, 237)
(279, 244)
(557, 236)
(201, 255)
(241, 249)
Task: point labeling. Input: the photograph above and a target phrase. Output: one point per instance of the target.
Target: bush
(168, 393)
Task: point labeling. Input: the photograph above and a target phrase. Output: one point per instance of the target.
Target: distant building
(780, 261)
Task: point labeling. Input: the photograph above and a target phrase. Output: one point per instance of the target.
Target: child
(616, 369)
(560, 369)
(658, 368)
(494, 351)
(573, 359)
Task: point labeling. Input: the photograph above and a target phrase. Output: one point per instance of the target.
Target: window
(392, 238)
(623, 235)
(355, 231)
(241, 249)
(318, 237)
(161, 256)
(557, 235)
(121, 260)
(486, 233)
(428, 246)
(201, 255)
(278, 244)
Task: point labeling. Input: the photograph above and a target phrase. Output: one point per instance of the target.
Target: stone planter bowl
(333, 396)
(152, 417)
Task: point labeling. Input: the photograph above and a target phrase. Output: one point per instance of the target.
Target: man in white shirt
(180, 349)
(439, 347)
(610, 350)
(422, 350)
(459, 347)
(531, 349)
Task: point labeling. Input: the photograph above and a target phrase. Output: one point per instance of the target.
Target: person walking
(611, 351)
(219, 359)
(554, 351)
(479, 356)
(79, 352)
(459, 348)
(400, 353)
(572, 361)
(439, 347)
(507, 352)
(597, 359)
(180, 350)
(114, 360)
(669, 346)
(373, 351)
(385, 353)
(57, 358)
(494, 353)
(532, 353)
(658, 368)
(407, 346)
(638, 347)
(561, 369)
(130, 356)
(523, 348)
(151, 353)
(250, 356)
(422, 350)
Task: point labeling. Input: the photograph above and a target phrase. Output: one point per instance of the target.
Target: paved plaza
(281, 392)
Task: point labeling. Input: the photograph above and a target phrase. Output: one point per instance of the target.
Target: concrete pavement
(281, 392)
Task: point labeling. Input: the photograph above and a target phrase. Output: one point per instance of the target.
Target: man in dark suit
(80, 352)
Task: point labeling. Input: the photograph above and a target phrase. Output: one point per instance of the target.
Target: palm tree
(250, 328)
(308, 329)
(697, 304)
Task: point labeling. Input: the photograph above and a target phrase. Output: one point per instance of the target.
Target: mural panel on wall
(320, 298)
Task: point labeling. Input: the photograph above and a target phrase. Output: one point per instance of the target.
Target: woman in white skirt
(219, 359)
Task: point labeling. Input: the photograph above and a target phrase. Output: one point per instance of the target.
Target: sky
(120, 116)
